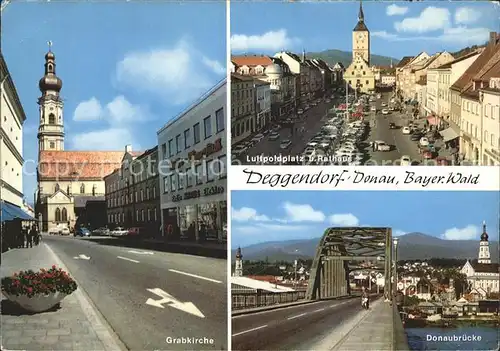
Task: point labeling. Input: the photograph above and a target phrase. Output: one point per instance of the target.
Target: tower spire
(484, 247)
(361, 15)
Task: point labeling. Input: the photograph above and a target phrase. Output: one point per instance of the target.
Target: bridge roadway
(339, 324)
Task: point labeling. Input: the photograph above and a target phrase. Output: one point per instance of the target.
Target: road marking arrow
(142, 252)
(82, 257)
(166, 298)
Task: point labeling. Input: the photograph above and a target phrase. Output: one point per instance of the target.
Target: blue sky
(397, 29)
(260, 216)
(127, 67)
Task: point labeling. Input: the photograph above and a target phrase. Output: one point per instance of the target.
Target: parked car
(405, 161)
(135, 231)
(119, 231)
(285, 144)
(274, 136)
(238, 150)
(300, 111)
(416, 136)
(382, 146)
(392, 125)
(257, 138)
(385, 111)
(64, 231)
(406, 130)
(424, 141)
(83, 232)
(101, 231)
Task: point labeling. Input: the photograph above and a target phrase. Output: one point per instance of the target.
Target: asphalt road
(293, 328)
(117, 280)
(379, 130)
(312, 120)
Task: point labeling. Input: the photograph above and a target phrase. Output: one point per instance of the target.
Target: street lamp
(395, 243)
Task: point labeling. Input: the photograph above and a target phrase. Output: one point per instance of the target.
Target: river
(478, 338)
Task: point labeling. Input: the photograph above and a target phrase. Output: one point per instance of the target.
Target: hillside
(345, 57)
(412, 246)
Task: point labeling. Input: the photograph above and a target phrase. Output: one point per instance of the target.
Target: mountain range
(412, 246)
(345, 57)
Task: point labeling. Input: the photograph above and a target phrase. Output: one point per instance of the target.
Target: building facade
(243, 123)
(490, 105)
(360, 75)
(66, 179)
(298, 67)
(193, 170)
(11, 139)
(262, 103)
(133, 194)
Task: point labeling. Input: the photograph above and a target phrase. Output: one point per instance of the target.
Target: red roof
(82, 165)
(253, 60)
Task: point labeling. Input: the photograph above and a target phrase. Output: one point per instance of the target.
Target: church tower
(361, 38)
(484, 247)
(238, 267)
(51, 127)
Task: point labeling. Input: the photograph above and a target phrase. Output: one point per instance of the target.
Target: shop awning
(448, 134)
(433, 121)
(10, 212)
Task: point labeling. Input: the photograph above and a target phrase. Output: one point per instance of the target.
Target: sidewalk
(75, 325)
(373, 331)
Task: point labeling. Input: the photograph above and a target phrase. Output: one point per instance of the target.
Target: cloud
(344, 220)
(395, 10)
(467, 233)
(430, 19)
(246, 214)
(175, 74)
(302, 213)
(118, 111)
(89, 110)
(269, 41)
(214, 65)
(107, 139)
(384, 35)
(467, 15)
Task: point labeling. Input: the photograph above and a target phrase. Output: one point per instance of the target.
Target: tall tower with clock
(361, 38)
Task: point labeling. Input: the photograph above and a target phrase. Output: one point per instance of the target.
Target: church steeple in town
(238, 265)
(361, 15)
(51, 126)
(484, 247)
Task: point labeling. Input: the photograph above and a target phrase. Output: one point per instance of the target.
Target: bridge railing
(258, 298)
(400, 341)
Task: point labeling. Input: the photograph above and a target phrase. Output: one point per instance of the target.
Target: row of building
(269, 88)
(174, 190)
(460, 96)
(12, 119)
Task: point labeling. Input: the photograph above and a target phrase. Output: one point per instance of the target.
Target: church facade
(483, 275)
(360, 74)
(67, 180)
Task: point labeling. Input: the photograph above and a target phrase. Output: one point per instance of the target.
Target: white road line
(250, 330)
(127, 259)
(297, 316)
(321, 309)
(196, 276)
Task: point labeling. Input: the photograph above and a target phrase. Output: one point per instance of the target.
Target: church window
(364, 73)
(142, 215)
(64, 215)
(57, 187)
(82, 189)
(52, 145)
(367, 82)
(94, 188)
(350, 81)
(50, 68)
(52, 119)
(58, 215)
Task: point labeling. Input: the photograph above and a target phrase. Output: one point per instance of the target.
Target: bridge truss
(346, 249)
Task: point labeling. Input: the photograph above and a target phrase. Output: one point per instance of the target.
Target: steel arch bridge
(346, 249)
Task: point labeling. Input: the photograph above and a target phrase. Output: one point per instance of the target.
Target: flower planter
(37, 303)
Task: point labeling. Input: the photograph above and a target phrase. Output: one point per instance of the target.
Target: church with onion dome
(68, 181)
(483, 276)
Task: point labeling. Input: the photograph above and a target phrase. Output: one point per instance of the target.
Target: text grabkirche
(356, 177)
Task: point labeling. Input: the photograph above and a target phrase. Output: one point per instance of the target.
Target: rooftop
(251, 60)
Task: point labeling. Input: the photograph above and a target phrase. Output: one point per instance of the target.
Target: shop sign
(208, 150)
(194, 194)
